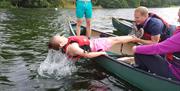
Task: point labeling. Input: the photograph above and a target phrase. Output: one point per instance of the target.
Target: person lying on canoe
(147, 57)
(155, 28)
(80, 46)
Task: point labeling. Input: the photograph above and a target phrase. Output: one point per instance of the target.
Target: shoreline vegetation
(96, 4)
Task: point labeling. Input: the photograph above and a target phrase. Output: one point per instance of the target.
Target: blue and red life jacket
(165, 29)
(82, 41)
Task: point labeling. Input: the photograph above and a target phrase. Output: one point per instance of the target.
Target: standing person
(155, 28)
(83, 8)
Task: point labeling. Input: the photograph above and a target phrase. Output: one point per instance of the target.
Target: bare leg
(88, 27)
(121, 39)
(78, 27)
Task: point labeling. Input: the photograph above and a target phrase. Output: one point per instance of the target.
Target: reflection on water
(24, 34)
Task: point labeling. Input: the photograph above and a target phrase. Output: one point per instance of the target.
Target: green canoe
(143, 80)
(123, 26)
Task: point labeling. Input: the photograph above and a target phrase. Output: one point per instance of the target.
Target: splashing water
(56, 65)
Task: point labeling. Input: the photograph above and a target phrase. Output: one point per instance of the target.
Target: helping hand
(135, 39)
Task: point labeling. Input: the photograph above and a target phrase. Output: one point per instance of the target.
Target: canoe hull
(136, 77)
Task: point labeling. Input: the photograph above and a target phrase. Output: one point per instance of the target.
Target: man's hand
(135, 39)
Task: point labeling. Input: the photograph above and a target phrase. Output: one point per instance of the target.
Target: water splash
(56, 65)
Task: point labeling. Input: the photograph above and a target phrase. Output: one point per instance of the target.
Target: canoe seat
(129, 60)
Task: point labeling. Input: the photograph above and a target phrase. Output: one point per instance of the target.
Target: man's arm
(75, 50)
(155, 28)
(154, 39)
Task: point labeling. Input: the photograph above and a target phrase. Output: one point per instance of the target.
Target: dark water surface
(24, 34)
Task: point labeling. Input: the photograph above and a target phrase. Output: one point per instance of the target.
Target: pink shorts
(100, 44)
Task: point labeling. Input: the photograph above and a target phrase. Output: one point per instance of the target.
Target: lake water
(24, 34)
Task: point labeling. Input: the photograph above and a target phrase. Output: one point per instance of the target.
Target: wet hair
(53, 44)
(142, 10)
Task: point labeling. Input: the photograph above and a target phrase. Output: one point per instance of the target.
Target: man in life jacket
(147, 57)
(80, 46)
(155, 28)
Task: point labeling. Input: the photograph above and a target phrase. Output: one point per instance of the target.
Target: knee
(88, 22)
(79, 22)
(139, 57)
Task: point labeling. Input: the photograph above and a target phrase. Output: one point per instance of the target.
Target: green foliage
(30, 3)
(36, 3)
(151, 3)
(5, 4)
(119, 3)
(133, 3)
(159, 3)
(113, 3)
(136, 3)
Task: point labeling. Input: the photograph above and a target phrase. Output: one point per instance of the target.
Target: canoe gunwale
(139, 70)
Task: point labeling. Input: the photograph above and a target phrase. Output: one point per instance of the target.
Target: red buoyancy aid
(169, 56)
(152, 15)
(82, 41)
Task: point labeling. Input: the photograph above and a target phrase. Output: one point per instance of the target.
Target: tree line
(103, 3)
(136, 3)
(32, 3)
